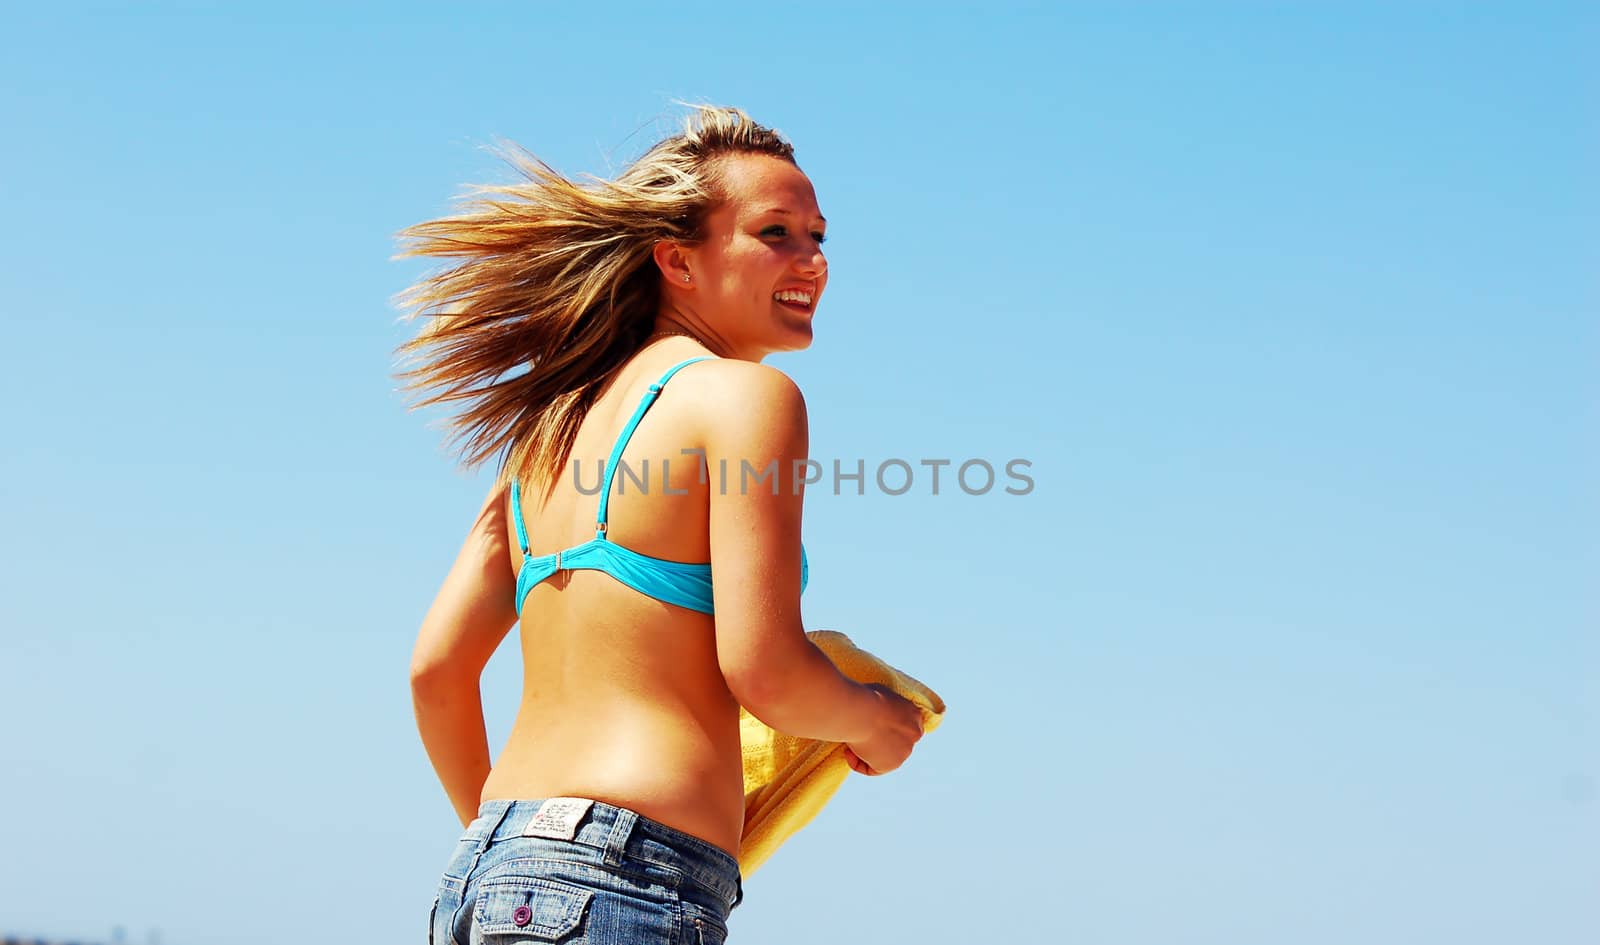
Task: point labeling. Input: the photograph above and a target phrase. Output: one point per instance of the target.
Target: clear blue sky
(1291, 306)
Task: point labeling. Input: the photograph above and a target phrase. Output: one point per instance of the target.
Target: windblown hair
(557, 278)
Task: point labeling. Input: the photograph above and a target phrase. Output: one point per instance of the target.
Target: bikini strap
(516, 516)
(627, 433)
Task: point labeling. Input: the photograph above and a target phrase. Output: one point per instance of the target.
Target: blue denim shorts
(572, 869)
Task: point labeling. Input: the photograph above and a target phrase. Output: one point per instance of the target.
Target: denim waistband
(621, 832)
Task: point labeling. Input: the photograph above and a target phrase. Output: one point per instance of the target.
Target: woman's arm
(470, 616)
(770, 666)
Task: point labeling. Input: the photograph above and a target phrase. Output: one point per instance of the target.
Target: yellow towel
(787, 780)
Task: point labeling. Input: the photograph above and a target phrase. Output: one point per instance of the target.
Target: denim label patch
(557, 818)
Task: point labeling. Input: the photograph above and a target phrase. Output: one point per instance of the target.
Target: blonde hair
(557, 278)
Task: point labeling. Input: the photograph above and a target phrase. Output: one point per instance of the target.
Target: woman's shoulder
(735, 379)
(737, 398)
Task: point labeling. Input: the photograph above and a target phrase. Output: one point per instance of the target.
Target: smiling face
(756, 277)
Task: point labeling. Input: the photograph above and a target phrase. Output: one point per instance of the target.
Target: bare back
(623, 699)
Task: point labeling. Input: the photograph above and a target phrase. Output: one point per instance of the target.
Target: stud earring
(686, 277)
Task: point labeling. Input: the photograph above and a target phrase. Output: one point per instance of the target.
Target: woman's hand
(855, 762)
(899, 728)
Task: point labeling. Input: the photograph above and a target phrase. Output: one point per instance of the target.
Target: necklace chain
(665, 332)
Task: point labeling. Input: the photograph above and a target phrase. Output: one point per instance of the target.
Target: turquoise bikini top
(675, 582)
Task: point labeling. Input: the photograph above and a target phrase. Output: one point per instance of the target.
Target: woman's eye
(780, 231)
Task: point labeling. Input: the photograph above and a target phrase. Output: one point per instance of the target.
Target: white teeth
(802, 298)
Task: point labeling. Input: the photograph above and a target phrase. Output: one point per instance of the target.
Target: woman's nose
(813, 263)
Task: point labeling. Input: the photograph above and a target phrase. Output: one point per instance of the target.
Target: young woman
(625, 322)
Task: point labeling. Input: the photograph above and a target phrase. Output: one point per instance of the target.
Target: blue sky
(1291, 307)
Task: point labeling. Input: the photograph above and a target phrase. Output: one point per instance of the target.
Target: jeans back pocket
(545, 909)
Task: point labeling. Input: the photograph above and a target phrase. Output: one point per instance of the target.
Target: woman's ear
(673, 261)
